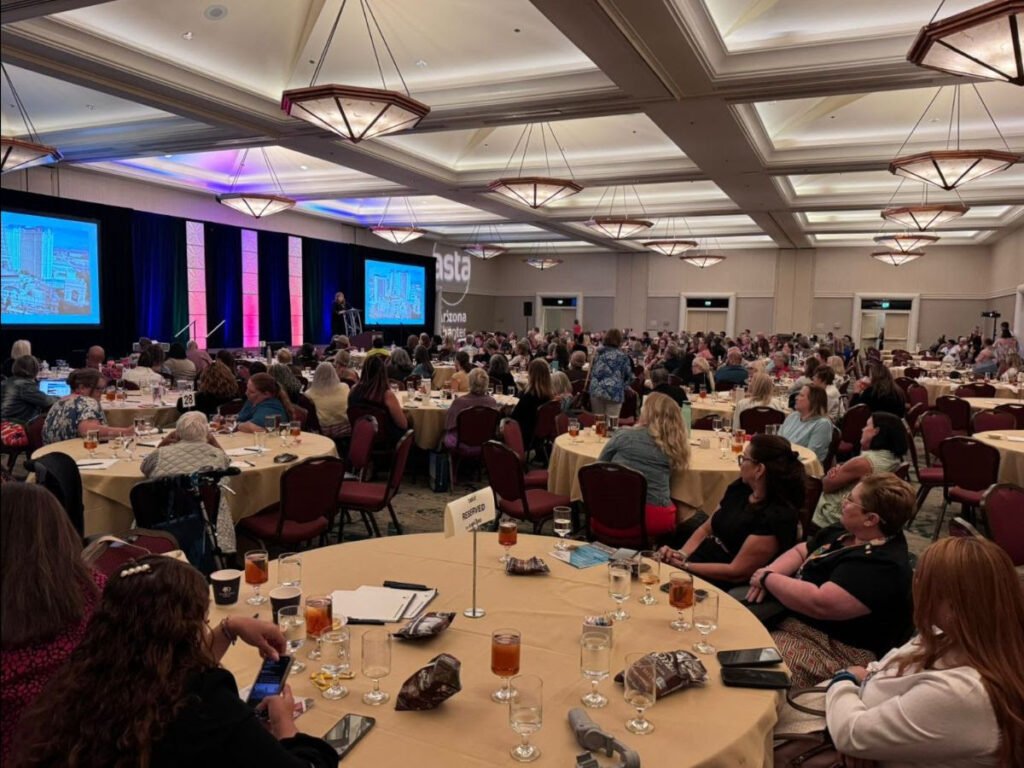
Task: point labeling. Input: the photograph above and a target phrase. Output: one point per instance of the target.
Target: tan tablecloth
(442, 373)
(106, 493)
(1011, 453)
(928, 365)
(711, 727)
(702, 485)
(711, 406)
(428, 419)
(939, 387)
(123, 416)
(989, 403)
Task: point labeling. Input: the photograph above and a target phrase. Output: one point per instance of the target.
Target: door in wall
(557, 318)
(705, 320)
(870, 325)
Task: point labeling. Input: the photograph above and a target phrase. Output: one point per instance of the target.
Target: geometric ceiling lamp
(985, 41)
(953, 167)
(256, 204)
(672, 245)
(485, 248)
(922, 217)
(906, 243)
(398, 234)
(541, 262)
(17, 154)
(353, 112)
(535, 191)
(618, 227)
(703, 258)
(895, 258)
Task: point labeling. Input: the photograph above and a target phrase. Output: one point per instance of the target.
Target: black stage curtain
(275, 304)
(326, 269)
(161, 276)
(224, 284)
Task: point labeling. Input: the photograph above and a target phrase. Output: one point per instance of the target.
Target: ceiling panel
(425, 209)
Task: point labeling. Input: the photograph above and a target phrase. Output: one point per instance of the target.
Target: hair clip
(144, 568)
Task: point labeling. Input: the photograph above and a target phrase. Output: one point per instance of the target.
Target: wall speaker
(527, 309)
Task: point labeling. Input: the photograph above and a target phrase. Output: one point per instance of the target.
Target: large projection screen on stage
(395, 293)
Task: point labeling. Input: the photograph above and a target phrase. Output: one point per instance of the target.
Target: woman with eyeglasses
(843, 596)
(756, 520)
(76, 414)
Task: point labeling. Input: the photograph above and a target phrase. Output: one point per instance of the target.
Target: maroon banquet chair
(704, 422)
(561, 424)
(905, 383)
(813, 489)
(368, 498)
(913, 414)
(544, 431)
(833, 448)
(917, 394)
(755, 420)
(306, 505)
(853, 425)
(1002, 507)
(935, 427)
(231, 407)
(958, 410)
(473, 427)
(969, 468)
(630, 407)
(512, 436)
(511, 496)
(1017, 409)
(975, 389)
(991, 421)
(614, 499)
(312, 421)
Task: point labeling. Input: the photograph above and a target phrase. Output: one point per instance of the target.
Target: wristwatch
(764, 577)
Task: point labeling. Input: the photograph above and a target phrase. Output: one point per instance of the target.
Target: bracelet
(228, 634)
(841, 676)
(764, 577)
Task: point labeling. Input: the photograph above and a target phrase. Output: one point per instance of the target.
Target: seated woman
(48, 595)
(423, 368)
(755, 521)
(824, 378)
(538, 391)
(845, 593)
(497, 369)
(656, 447)
(330, 397)
(191, 448)
(561, 390)
(477, 396)
(760, 390)
(883, 443)
(459, 382)
(76, 414)
(20, 348)
(306, 357)
(576, 362)
(180, 707)
(285, 377)
(399, 365)
(22, 399)
(809, 425)
(701, 374)
(373, 389)
(264, 398)
(952, 696)
(881, 393)
(178, 365)
(522, 357)
(147, 372)
(343, 365)
(217, 386)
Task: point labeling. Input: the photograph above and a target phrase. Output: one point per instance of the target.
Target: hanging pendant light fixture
(352, 112)
(906, 243)
(705, 257)
(622, 226)
(922, 217)
(896, 258)
(543, 263)
(953, 166)
(985, 41)
(536, 191)
(398, 234)
(485, 250)
(256, 204)
(672, 245)
(18, 154)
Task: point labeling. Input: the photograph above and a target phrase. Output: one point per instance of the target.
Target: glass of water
(335, 661)
(289, 569)
(526, 715)
(620, 577)
(292, 622)
(595, 650)
(563, 526)
(705, 619)
(640, 683)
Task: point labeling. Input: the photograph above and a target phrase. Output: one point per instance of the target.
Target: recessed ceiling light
(304, 167)
(215, 12)
(167, 155)
(421, 63)
(186, 35)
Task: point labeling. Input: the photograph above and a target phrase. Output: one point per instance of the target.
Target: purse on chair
(806, 750)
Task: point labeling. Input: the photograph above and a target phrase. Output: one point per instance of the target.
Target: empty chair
(852, 426)
(561, 424)
(630, 403)
(473, 427)
(754, 420)
(704, 422)
(368, 498)
(833, 448)
(935, 427)
(1017, 409)
(1003, 510)
(913, 414)
(512, 436)
(511, 496)
(905, 383)
(544, 431)
(958, 410)
(614, 500)
(913, 372)
(975, 389)
(310, 420)
(58, 473)
(969, 468)
(990, 421)
(917, 394)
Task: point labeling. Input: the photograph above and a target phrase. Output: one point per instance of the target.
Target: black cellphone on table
(750, 657)
(739, 677)
(270, 680)
(347, 732)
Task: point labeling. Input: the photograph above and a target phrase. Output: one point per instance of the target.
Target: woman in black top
(144, 687)
(498, 371)
(22, 398)
(756, 520)
(374, 390)
(882, 393)
(847, 591)
(538, 391)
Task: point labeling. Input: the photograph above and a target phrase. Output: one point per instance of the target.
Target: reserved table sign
(469, 512)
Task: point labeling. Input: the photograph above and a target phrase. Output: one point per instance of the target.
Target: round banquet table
(707, 726)
(123, 415)
(106, 492)
(712, 406)
(442, 373)
(427, 417)
(989, 403)
(701, 486)
(1010, 444)
(939, 387)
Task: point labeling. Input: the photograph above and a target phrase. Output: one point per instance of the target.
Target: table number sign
(465, 514)
(188, 400)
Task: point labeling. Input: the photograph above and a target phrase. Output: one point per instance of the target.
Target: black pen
(374, 622)
(406, 585)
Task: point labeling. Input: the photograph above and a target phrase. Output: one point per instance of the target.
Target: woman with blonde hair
(700, 370)
(656, 447)
(836, 364)
(330, 396)
(954, 695)
(760, 390)
(561, 390)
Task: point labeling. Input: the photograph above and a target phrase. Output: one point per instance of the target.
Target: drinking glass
(334, 662)
(600, 425)
(771, 429)
(231, 422)
(119, 394)
(620, 579)
(295, 430)
(526, 715)
(703, 391)
(376, 663)
(259, 441)
(147, 425)
(292, 623)
(318, 621)
(640, 682)
(508, 535)
(284, 435)
(91, 442)
(510, 391)
(256, 567)
(110, 394)
(272, 423)
(158, 394)
(574, 429)
(649, 571)
(716, 424)
(563, 526)
(613, 424)
(289, 569)
(595, 652)
(680, 597)
(505, 645)
(739, 436)
(705, 619)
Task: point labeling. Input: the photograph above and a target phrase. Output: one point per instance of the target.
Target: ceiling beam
(22, 10)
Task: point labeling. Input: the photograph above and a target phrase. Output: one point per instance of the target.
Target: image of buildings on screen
(396, 296)
(40, 278)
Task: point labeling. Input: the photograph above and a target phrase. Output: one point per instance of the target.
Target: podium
(353, 322)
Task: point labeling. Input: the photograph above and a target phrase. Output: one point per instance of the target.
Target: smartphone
(749, 657)
(738, 677)
(347, 732)
(270, 680)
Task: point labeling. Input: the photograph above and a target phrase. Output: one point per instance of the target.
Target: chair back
(704, 422)
(381, 416)
(1003, 509)
(309, 490)
(561, 423)
(587, 419)
(812, 492)
(34, 432)
(990, 421)
(398, 465)
(975, 389)
(912, 447)
(475, 426)
(360, 448)
(231, 407)
(913, 372)
(545, 427)
(913, 414)
(906, 383)
(512, 436)
(958, 410)
(754, 420)
(968, 463)
(301, 415)
(833, 448)
(173, 504)
(312, 421)
(58, 473)
(960, 528)
(630, 404)
(675, 381)
(853, 423)
(614, 497)
(578, 386)
(918, 394)
(109, 557)
(903, 471)
(1017, 409)
(505, 472)
(725, 386)
(935, 427)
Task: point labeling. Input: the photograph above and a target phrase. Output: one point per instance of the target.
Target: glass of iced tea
(295, 430)
(257, 564)
(680, 597)
(109, 394)
(600, 425)
(505, 644)
(649, 571)
(703, 392)
(508, 535)
(574, 429)
(738, 438)
(91, 442)
(318, 621)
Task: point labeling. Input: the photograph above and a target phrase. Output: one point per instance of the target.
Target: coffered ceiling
(746, 123)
